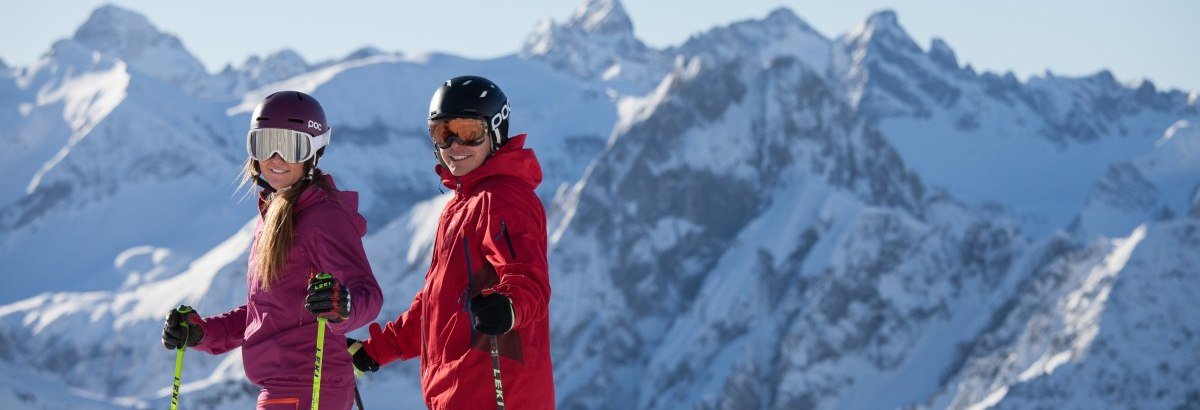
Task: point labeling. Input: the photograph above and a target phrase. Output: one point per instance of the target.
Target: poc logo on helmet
(500, 116)
(314, 125)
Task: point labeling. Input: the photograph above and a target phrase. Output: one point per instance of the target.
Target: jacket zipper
(467, 293)
(504, 231)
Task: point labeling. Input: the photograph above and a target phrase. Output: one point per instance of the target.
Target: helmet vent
(261, 119)
(296, 120)
(300, 96)
(484, 94)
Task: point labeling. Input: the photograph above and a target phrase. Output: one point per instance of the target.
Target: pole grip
(179, 356)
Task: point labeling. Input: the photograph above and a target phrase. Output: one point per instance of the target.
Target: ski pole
(316, 394)
(496, 371)
(184, 310)
(495, 346)
(357, 373)
(357, 398)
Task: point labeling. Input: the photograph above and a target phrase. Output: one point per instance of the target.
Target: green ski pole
(179, 356)
(316, 394)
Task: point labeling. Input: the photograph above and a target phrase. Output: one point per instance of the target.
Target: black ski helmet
(472, 96)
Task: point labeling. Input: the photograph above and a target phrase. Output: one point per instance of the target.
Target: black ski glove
(328, 298)
(493, 313)
(182, 326)
(362, 361)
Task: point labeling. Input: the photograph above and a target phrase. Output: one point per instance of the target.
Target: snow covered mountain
(598, 44)
(128, 36)
(104, 148)
(1035, 148)
(1159, 185)
(761, 217)
(254, 73)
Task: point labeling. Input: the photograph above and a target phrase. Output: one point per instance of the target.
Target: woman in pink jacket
(306, 226)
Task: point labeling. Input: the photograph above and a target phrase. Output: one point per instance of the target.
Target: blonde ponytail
(278, 228)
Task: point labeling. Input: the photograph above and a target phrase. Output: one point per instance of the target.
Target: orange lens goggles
(468, 131)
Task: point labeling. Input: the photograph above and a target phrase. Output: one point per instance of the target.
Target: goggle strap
(321, 141)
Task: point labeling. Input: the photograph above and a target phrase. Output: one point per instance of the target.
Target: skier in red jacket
(480, 324)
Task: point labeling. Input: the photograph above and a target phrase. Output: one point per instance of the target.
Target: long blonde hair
(278, 228)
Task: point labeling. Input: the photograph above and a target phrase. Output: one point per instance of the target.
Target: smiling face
(458, 157)
(279, 173)
(461, 159)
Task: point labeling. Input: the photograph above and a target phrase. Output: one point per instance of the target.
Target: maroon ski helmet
(291, 110)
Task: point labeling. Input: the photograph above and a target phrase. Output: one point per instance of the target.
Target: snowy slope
(120, 356)
(1144, 352)
(1111, 324)
(760, 217)
(52, 104)
(1035, 149)
(26, 388)
(1158, 185)
(122, 154)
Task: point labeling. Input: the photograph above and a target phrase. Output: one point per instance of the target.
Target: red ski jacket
(491, 235)
(277, 335)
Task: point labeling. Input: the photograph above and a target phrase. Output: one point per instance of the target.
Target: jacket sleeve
(400, 339)
(336, 247)
(514, 242)
(224, 332)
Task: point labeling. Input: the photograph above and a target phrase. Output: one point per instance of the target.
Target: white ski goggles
(292, 146)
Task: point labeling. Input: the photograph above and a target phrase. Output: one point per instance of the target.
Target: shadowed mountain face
(760, 217)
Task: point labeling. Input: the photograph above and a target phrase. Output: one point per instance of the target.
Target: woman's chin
(281, 184)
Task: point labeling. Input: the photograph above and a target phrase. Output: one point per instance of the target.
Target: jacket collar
(513, 160)
(311, 195)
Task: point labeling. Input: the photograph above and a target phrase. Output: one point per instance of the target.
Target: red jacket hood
(513, 159)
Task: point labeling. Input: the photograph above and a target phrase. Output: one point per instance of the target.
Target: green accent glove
(182, 327)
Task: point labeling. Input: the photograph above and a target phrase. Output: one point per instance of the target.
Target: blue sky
(1135, 40)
